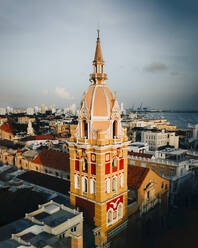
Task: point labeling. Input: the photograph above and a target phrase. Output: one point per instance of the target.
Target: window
(161, 171)
(73, 229)
(92, 186)
(120, 211)
(114, 184)
(77, 181)
(121, 180)
(153, 168)
(131, 162)
(172, 172)
(85, 165)
(85, 129)
(115, 128)
(114, 163)
(143, 165)
(107, 185)
(162, 185)
(109, 216)
(84, 184)
(148, 195)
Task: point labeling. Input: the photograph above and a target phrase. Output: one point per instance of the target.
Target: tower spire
(98, 54)
(98, 76)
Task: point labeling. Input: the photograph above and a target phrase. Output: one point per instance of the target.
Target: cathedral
(98, 154)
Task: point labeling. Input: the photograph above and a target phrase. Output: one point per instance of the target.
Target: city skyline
(149, 51)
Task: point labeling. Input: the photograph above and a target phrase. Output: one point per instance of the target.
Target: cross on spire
(98, 31)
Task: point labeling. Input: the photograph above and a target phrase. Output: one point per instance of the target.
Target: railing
(117, 229)
(159, 161)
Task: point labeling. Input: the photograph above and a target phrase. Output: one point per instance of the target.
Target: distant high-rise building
(36, 109)
(52, 107)
(30, 111)
(43, 108)
(72, 108)
(2, 111)
(9, 110)
(66, 110)
(30, 130)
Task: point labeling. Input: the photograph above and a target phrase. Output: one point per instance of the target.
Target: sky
(149, 48)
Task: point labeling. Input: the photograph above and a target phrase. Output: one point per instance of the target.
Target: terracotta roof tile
(39, 137)
(53, 159)
(136, 176)
(6, 127)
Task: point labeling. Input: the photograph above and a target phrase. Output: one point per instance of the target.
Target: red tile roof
(53, 159)
(138, 154)
(39, 137)
(6, 127)
(136, 176)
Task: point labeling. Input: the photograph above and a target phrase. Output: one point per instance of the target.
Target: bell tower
(98, 154)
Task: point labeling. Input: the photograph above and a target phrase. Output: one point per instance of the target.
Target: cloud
(63, 93)
(45, 92)
(174, 73)
(156, 67)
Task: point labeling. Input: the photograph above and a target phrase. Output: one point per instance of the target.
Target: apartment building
(171, 164)
(156, 139)
(51, 225)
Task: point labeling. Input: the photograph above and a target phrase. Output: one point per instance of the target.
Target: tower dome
(99, 110)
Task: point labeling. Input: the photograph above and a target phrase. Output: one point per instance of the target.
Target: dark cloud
(156, 67)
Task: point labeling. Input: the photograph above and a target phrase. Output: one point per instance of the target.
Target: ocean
(180, 120)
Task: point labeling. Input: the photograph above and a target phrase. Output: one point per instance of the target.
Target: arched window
(121, 180)
(85, 165)
(114, 163)
(107, 185)
(114, 184)
(92, 186)
(84, 129)
(120, 210)
(109, 216)
(84, 184)
(115, 127)
(77, 181)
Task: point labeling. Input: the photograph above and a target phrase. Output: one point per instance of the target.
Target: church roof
(136, 176)
(99, 101)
